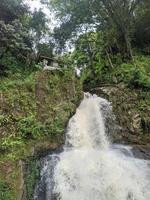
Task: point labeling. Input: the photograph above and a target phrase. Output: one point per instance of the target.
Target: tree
(142, 27)
(15, 40)
(38, 24)
(21, 33)
(15, 44)
(108, 16)
(45, 50)
(11, 10)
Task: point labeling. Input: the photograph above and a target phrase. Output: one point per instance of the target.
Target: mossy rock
(132, 110)
(34, 113)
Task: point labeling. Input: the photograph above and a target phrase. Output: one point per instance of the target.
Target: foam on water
(90, 168)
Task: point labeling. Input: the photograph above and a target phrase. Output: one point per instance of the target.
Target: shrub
(5, 191)
(29, 127)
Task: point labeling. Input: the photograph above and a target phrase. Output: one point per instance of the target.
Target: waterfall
(86, 128)
(90, 167)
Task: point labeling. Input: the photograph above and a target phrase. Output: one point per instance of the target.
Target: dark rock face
(132, 111)
(142, 152)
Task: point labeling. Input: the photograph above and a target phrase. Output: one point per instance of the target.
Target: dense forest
(106, 41)
(105, 36)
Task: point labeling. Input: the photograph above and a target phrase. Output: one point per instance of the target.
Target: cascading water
(90, 168)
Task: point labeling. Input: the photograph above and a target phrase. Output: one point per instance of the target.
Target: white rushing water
(90, 168)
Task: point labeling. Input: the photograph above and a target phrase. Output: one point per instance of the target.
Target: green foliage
(5, 191)
(139, 79)
(89, 49)
(11, 10)
(141, 26)
(8, 62)
(18, 80)
(113, 18)
(38, 24)
(29, 127)
(35, 107)
(11, 142)
(15, 45)
(136, 76)
(45, 50)
(32, 174)
(21, 33)
(26, 128)
(121, 25)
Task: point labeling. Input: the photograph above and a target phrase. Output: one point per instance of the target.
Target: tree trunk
(128, 47)
(109, 59)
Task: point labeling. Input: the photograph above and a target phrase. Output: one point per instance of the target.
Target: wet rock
(131, 108)
(142, 152)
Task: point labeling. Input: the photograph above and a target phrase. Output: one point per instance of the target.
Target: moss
(9, 177)
(31, 175)
(144, 139)
(6, 192)
(33, 115)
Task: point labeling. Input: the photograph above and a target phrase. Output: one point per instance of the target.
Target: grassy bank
(33, 115)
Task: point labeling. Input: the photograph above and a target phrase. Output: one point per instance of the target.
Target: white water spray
(86, 128)
(89, 168)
